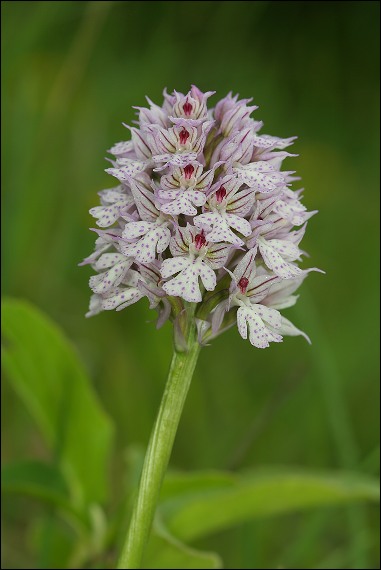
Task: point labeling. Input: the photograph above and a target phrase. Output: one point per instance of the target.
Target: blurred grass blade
(197, 513)
(47, 374)
(166, 551)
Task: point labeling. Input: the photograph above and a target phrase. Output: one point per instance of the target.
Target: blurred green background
(71, 73)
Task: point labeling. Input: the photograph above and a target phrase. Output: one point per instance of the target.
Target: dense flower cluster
(202, 214)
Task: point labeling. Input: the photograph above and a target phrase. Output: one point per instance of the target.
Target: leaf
(180, 484)
(53, 541)
(202, 509)
(35, 479)
(49, 377)
(41, 481)
(166, 551)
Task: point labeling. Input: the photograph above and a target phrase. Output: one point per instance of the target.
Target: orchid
(194, 181)
(193, 257)
(205, 224)
(225, 209)
(185, 188)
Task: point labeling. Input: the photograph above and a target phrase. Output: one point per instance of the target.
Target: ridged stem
(160, 448)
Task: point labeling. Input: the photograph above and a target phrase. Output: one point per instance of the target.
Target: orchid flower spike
(202, 214)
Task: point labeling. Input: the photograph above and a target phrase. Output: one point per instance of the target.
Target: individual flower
(184, 189)
(260, 175)
(116, 265)
(253, 318)
(115, 202)
(150, 235)
(192, 107)
(225, 210)
(193, 257)
(178, 145)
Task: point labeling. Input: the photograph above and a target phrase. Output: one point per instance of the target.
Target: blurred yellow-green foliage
(71, 72)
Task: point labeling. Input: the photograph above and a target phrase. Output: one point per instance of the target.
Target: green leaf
(179, 484)
(35, 479)
(41, 481)
(53, 541)
(49, 377)
(166, 551)
(201, 509)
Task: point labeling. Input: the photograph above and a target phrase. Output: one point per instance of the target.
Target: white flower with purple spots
(225, 209)
(154, 239)
(115, 202)
(116, 265)
(193, 257)
(289, 207)
(246, 290)
(178, 145)
(145, 239)
(192, 106)
(126, 168)
(278, 255)
(184, 189)
(258, 296)
(260, 175)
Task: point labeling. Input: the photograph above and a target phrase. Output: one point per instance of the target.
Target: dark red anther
(188, 171)
(242, 284)
(220, 194)
(200, 240)
(187, 107)
(184, 136)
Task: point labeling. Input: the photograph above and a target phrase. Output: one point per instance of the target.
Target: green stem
(160, 448)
